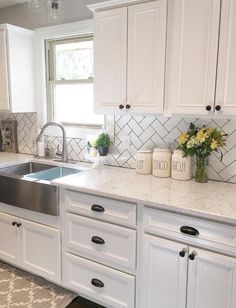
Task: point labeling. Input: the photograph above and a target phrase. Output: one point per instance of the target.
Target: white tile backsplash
(144, 131)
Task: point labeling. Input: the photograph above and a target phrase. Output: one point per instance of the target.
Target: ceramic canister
(144, 162)
(181, 167)
(161, 162)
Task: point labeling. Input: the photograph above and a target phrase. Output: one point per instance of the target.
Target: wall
(144, 131)
(20, 15)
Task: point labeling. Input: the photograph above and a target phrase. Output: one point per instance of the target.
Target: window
(70, 82)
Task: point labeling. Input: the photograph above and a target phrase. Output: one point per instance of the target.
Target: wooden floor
(80, 302)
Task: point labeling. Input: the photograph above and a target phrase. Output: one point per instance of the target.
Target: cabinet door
(146, 56)
(211, 281)
(110, 48)
(40, 250)
(165, 274)
(4, 87)
(9, 244)
(226, 75)
(192, 45)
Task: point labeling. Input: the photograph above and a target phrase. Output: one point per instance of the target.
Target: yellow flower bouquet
(201, 142)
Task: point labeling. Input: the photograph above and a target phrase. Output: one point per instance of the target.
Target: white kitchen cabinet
(16, 69)
(191, 56)
(164, 274)
(40, 251)
(8, 240)
(211, 280)
(170, 266)
(31, 246)
(130, 58)
(226, 73)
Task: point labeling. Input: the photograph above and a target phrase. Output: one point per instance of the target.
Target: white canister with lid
(181, 167)
(144, 162)
(161, 162)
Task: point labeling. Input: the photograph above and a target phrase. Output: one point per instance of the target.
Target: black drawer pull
(14, 223)
(97, 208)
(192, 256)
(98, 240)
(189, 230)
(97, 283)
(19, 224)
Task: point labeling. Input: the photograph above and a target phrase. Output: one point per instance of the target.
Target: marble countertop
(212, 200)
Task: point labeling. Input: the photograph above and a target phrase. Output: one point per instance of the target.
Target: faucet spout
(64, 145)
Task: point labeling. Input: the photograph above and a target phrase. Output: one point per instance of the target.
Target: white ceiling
(5, 3)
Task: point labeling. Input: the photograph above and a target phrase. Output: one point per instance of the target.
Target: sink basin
(52, 174)
(25, 168)
(20, 186)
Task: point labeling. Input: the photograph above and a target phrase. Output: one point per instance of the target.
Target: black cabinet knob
(19, 224)
(189, 230)
(192, 256)
(97, 283)
(208, 108)
(14, 223)
(97, 208)
(127, 106)
(98, 240)
(182, 253)
(218, 108)
(121, 106)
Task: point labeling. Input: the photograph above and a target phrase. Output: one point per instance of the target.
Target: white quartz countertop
(212, 200)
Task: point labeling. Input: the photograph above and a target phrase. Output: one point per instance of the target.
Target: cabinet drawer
(211, 234)
(102, 241)
(106, 286)
(106, 209)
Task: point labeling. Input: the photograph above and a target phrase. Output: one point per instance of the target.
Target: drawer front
(106, 209)
(102, 284)
(102, 241)
(211, 234)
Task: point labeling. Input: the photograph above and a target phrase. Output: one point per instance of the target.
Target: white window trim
(57, 32)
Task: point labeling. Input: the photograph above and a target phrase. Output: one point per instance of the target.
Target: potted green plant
(201, 142)
(102, 144)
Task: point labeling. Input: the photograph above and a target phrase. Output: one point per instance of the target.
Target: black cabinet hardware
(14, 223)
(218, 107)
(208, 108)
(97, 283)
(98, 240)
(97, 208)
(19, 224)
(121, 106)
(182, 253)
(189, 230)
(192, 256)
(127, 106)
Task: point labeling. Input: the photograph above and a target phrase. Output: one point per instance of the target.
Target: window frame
(55, 32)
(50, 57)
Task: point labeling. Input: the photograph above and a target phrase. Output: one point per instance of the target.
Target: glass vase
(201, 175)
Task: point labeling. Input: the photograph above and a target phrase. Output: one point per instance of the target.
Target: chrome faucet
(64, 146)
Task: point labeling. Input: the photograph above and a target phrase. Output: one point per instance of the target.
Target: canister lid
(162, 149)
(145, 151)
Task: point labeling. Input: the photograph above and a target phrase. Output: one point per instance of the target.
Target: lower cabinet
(100, 283)
(32, 246)
(178, 276)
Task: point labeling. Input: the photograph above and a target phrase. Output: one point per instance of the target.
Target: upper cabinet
(201, 57)
(226, 74)
(16, 69)
(129, 59)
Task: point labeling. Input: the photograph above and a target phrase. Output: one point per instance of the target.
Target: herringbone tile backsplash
(144, 131)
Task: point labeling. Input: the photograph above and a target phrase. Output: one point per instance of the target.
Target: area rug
(21, 289)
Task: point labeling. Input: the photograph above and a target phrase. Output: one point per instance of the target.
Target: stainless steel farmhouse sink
(28, 186)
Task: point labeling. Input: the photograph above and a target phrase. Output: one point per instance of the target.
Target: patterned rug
(21, 289)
